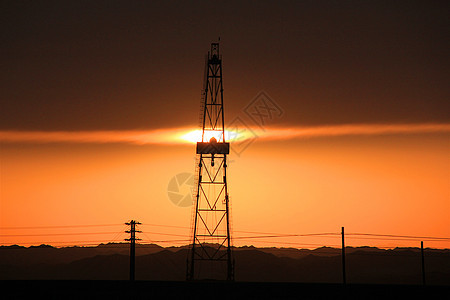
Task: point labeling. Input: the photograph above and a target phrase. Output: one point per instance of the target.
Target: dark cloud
(121, 65)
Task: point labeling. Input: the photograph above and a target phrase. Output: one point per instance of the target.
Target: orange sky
(374, 183)
(99, 103)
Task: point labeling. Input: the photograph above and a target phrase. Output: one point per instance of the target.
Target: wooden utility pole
(344, 279)
(423, 263)
(132, 240)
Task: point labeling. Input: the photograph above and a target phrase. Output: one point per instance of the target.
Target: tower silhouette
(210, 256)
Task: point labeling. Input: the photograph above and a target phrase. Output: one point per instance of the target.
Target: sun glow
(195, 136)
(173, 136)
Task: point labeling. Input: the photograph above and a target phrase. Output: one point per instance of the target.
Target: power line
(170, 234)
(59, 226)
(161, 225)
(241, 231)
(55, 234)
(312, 234)
(396, 239)
(286, 235)
(350, 236)
(329, 235)
(169, 241)
(399, 236)
(76, 243)
(301, 244)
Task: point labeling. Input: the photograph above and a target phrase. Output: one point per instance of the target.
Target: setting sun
(195, 136)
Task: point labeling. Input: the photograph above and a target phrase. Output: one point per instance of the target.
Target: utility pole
(344, 279)
(132, 240)
(423, 263)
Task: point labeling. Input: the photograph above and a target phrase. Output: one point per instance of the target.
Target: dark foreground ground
(100, 289)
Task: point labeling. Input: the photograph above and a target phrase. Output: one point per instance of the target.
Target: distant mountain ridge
(153, 262)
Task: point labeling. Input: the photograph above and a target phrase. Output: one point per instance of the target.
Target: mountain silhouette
(365, 265)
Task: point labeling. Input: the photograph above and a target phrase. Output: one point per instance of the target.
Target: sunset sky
(100, 107)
